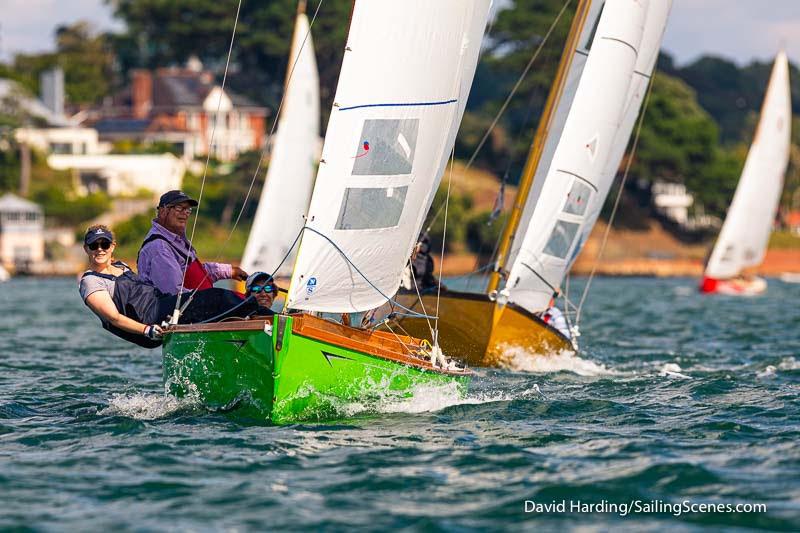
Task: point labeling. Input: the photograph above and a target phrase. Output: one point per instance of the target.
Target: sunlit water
(675, 397)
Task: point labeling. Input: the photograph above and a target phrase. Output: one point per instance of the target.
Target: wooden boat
(296, 367)
(742, 242)
(593, 104)
(402, 91)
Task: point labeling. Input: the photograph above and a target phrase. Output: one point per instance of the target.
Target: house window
(371, 208)
(61, 148)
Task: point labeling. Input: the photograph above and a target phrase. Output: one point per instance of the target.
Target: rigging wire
(358, 271)
(260, 160)
(444, 242)
(511, 94)
(628, 163)
(271, 133)
(208, 156)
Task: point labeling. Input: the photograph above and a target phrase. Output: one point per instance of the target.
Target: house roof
(13, 203)
(184, 88)
(121, 125)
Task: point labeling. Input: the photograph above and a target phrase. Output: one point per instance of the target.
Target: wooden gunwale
(384, 345)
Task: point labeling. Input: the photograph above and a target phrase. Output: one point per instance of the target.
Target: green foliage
(224, 193)
(784, 240)
(458, 210)
(678, 137)
(483, 235)
(515, 34)
(130, 146)
(86, 59)
(211, 239)
(732, 94)
(9, 168)
(64, 210)
(130, 234)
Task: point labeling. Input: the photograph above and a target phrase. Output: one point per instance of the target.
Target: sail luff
(557, 125)
(402, 91)
(574, 184)
(290, 176)
(655, 25)
(743, 240)
(537, 146)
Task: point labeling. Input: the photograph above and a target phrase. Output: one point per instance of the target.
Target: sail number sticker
(311, 285)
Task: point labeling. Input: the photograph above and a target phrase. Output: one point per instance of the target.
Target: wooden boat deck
(386, 345)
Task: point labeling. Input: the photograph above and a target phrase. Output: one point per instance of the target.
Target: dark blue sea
(681, 411)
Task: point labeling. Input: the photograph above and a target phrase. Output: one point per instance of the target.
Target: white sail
(404, 83)
(290, 177)
(654, 26)
(564, 103)
(571, 187)
(742, 242)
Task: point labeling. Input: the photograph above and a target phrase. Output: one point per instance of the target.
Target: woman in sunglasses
(132, 308)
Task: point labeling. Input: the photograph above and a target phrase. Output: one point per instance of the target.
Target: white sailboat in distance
(742, 242)
(290, 177)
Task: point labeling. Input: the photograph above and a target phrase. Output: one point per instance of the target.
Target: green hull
(287, 377)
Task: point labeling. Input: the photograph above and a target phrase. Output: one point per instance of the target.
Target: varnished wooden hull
(474, 329)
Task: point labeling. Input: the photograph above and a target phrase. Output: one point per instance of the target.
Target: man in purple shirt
(166, 251)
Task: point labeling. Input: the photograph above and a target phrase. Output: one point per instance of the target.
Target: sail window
(386, 147)
(578, 198)
(371, 208)
(561, 239)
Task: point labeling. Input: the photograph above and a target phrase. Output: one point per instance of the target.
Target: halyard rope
(509, 97)
(208, 158)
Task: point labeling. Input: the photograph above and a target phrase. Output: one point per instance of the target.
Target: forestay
(573, 187)
(742, 242)
(290, 177)
(405, 79)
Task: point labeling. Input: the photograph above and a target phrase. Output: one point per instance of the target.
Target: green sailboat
(402, 90)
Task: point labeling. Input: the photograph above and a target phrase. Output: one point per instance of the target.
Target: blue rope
(341, 252)
(388, 299)
(410, 104)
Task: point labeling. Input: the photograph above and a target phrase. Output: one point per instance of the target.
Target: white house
(21, 233)
(67, 140)
(122, 175)
(672, 200)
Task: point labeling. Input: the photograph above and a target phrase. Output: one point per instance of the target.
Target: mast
(535, 154)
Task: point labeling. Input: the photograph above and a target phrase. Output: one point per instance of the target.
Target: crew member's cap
(97, 234)
(259, 276)
(175, 197)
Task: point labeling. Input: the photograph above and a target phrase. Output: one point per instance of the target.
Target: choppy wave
(522, 360)
(146, 406)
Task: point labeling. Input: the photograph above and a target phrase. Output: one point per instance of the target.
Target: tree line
(699, 121)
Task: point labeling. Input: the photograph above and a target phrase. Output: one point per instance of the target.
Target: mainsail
(290, 177)
(742, 242)
(573, 187)
(402, 90)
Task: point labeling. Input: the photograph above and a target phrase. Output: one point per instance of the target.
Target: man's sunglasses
(102, 243)
(255, 289)
(181, 209)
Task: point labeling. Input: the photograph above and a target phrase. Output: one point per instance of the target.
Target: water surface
(675, 397)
